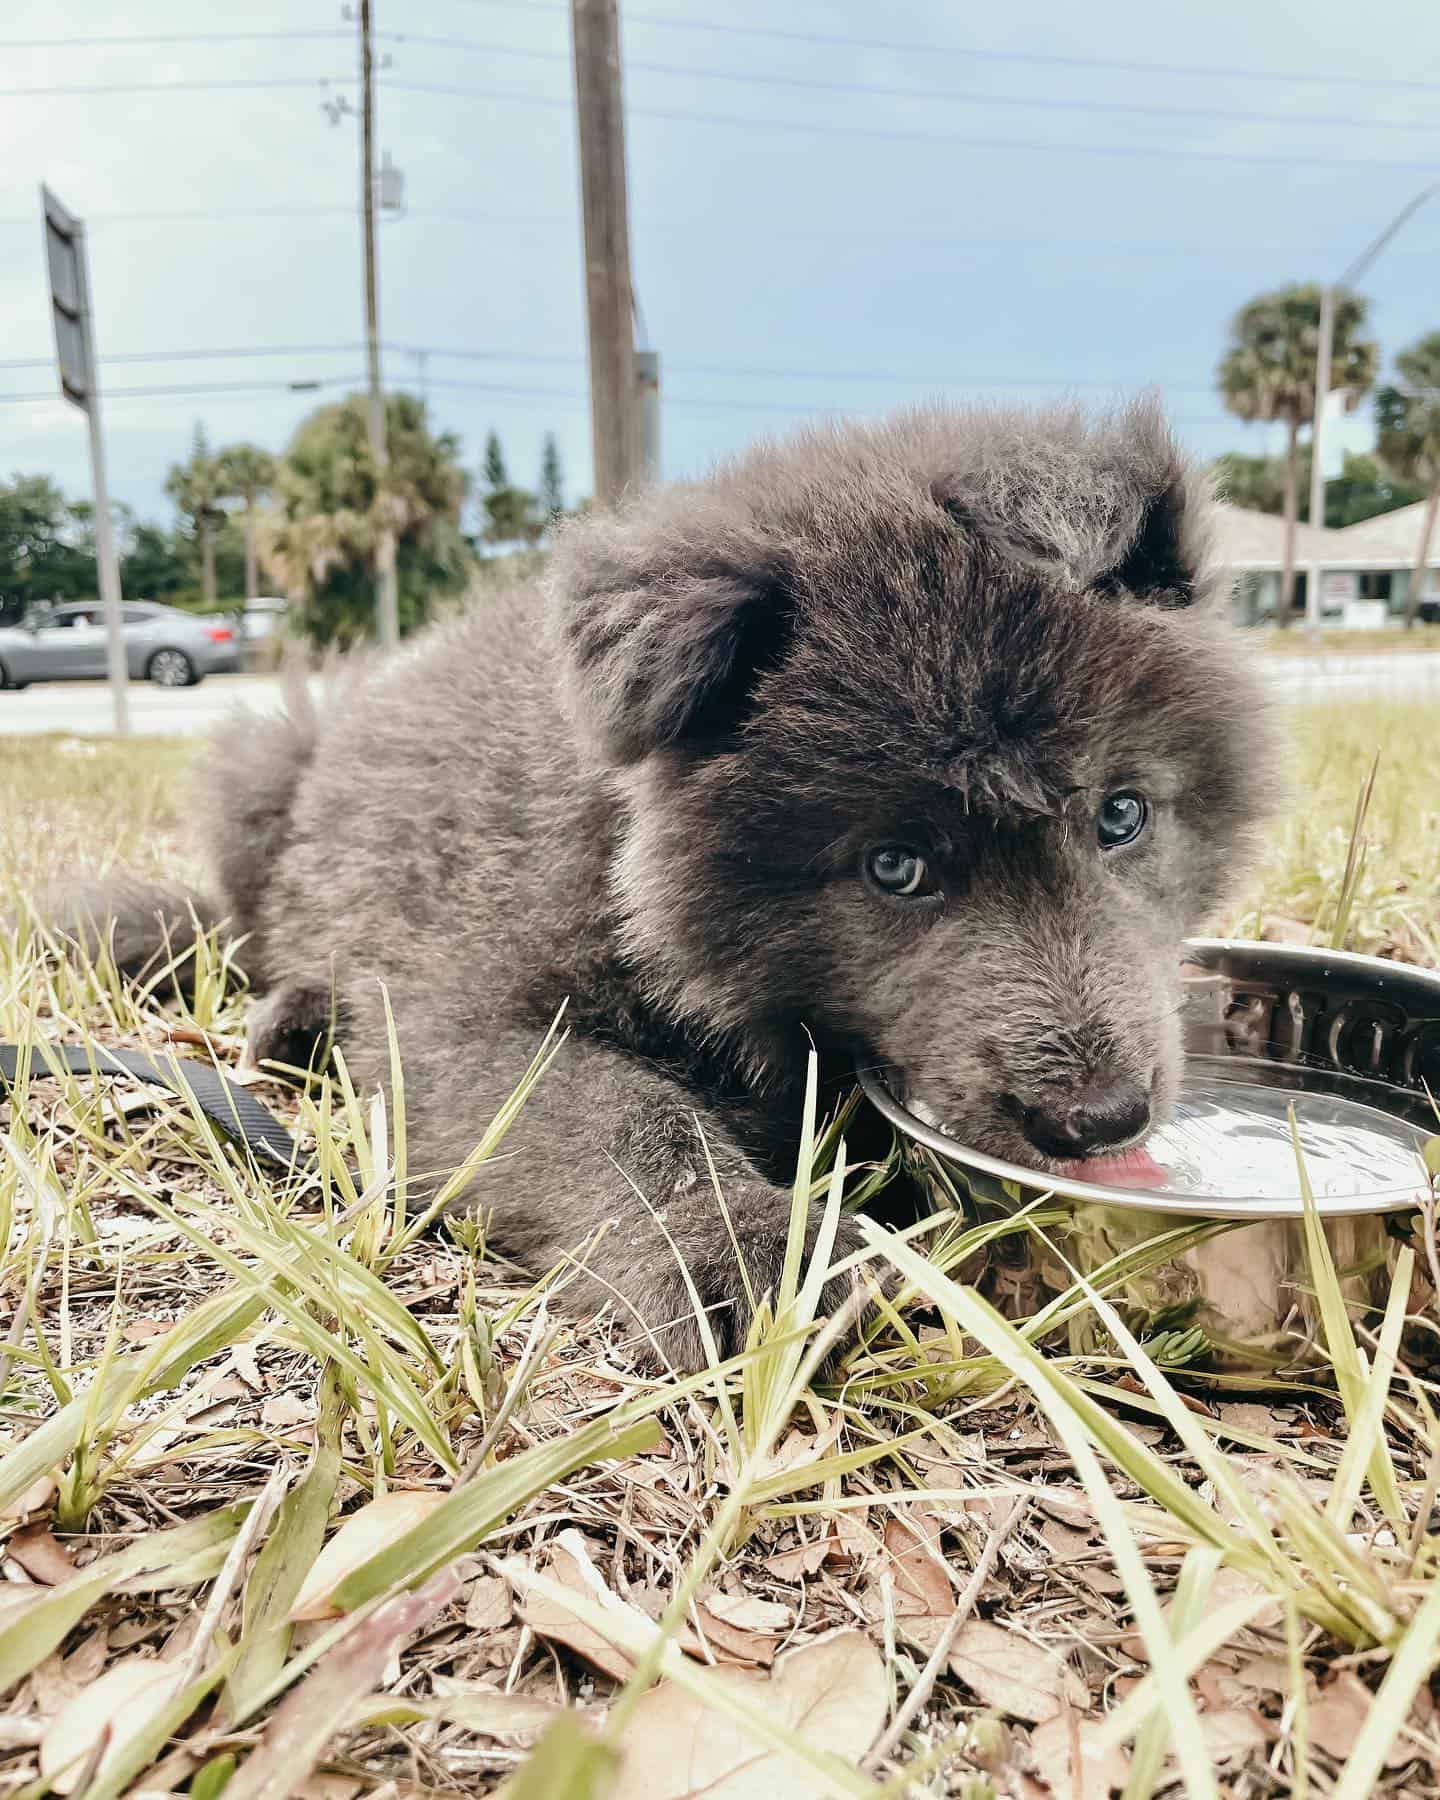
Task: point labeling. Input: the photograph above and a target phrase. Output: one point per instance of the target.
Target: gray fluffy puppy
(924, 741)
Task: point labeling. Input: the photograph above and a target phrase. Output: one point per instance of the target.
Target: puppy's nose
(1097, 1118)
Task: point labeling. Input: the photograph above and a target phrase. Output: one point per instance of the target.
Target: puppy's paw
(663, 1301)
(292, 1026)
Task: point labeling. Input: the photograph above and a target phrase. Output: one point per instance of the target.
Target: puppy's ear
(1115, 509)
(669, 651)
(1163, 560)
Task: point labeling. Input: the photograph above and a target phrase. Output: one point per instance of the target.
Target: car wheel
(7, 681)
(171, 669)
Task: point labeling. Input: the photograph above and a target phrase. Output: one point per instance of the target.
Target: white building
(1365, 570)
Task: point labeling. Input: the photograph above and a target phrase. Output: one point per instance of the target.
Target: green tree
(47, 545)
(1255, 482)
(552, 480)
(494, 466)
(321, 532)
(154, 564)
(508, 514)
(246, 474)
(1409, 421)
(1362, 490)
(1268, 372)
(196, 488)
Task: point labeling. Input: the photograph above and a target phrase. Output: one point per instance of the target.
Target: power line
(957, 140)
(828, 128)
(144, 356)
(711, 227)
(303, 385)
(726, 371)
(73, 89)
(153, 38)
(1090, 246)
(746, 77)
(1044, 59)
(971, 97)
(657, 21)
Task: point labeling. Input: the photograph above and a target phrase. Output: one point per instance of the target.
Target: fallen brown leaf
(39, 1555)
(573, 1567)
(36, 1498)
(1070, 1762)
(749, 1612)
(101, 1716)
(1221, 1687)
(139, 1331)
(832, 1693)
(487, 1605)
(511, 1718)
(1006, 1671)
(1338, 1710)
(922, 1582)
(281, 1411)
(806, 1559)
(296, 1735)
(363, 1535)
(1232, 1736)
(732, 1641)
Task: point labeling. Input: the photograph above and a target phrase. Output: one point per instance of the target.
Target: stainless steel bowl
(1351, 1043)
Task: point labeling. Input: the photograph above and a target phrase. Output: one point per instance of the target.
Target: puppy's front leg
(607, 1153)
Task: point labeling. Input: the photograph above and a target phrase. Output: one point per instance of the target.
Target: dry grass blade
(1003, 1341)
(1354, 860)
(29, 1638)
(296, 1736)
(567, 1764)
(466, 1516)
(1413, 1662)
(641, 1640)
(1351, 1375)
(151, 1389)
(276, 1579)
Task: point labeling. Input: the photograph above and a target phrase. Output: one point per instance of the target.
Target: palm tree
(1409, 421)
(1269, 373)
(246, 473)
(195, 488)
(322, 531)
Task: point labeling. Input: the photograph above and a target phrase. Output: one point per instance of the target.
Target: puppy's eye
(1122, 817)
(898, 870)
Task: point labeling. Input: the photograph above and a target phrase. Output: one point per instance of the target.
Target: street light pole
(387, 606)
(1323, 364)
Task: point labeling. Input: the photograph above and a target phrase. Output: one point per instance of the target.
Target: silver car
(162, 644)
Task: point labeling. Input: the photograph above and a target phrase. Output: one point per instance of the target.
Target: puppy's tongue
(1135, 1168)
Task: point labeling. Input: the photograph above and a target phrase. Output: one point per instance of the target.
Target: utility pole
(647, 376)
(67, 260)
(387, 602)
(1328, 297)
(609, 294)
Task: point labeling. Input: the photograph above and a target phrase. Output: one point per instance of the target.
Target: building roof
(1393, 536)
(1256, 540)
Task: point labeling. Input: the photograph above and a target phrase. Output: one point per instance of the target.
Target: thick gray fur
(647, 789)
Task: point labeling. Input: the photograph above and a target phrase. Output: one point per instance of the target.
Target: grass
(1297, 888)
(1299, 640)
(1022, 1542)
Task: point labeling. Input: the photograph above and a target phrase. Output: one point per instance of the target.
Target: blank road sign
(67, 299)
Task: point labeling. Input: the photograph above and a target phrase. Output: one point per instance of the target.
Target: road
(82, 708)
(1394, 675)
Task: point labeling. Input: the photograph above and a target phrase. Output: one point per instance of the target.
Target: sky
(835, 207)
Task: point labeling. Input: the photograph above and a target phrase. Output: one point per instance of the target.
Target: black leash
(228, 1106)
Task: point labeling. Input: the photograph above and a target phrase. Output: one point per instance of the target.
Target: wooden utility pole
(387, 603)
(610, 301)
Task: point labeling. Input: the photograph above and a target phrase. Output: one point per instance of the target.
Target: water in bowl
(1229, 1141)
